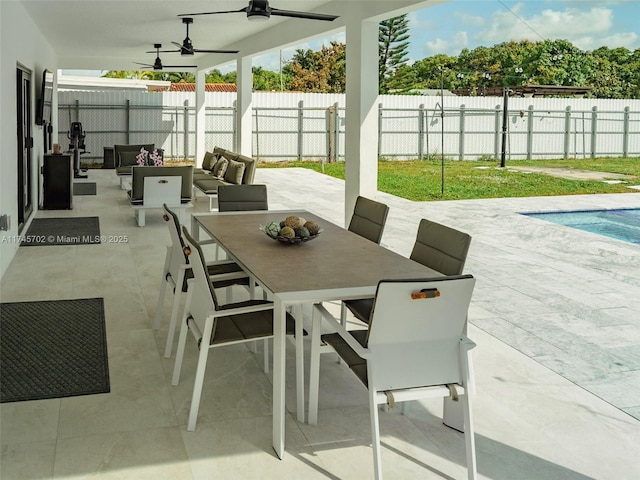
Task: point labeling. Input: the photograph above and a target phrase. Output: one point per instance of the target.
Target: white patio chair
(177, 271)
(415, 347)
(214, 325)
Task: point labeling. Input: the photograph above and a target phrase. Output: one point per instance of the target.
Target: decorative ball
(302, 232)
(293, 221)
(312, 227)
(287, 232)
(272, 229)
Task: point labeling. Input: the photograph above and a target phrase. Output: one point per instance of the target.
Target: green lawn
(421, 180)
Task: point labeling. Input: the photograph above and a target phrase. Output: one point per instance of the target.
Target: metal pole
(505, 113)
(442, 132)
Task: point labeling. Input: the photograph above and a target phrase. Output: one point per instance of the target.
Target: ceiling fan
(157, 65)
(186, 47)
(260, 10)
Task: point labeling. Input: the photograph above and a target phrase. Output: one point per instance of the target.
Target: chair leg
(265, 352)
(314, 373)
(199, 380)
(299, 361)
(343, 314)
(182, 340)
(469, 389)
(163, 289)
(140, 217)
(375, 435)
(177, 297)
(469, 436)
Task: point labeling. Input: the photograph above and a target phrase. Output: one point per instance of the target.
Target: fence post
(331, 141)
(379, 129)
(127, 126)
(185, 132)
(625, 133)
(461, 135)
(300, 127)
(567, 132)
(496, 131)
(336, 131)
(421, 131)
(594, 130)
(530, 132)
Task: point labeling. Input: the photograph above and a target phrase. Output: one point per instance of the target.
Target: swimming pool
(623, 224)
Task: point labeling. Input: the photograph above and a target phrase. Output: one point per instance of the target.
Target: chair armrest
(219, 262)
(240, 310)
(343, 332)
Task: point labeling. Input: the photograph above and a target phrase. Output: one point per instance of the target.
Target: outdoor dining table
(336, 265)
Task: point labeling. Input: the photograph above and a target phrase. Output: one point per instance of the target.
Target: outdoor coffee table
(337, 265)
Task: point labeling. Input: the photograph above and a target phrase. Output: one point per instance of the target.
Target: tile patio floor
(555, 314)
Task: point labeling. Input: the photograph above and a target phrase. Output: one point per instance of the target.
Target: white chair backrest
(416, 342)
(162, 189)
(202, 294)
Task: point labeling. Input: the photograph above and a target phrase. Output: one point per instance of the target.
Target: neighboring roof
(527, 91)
(71, 82)
(208, 87)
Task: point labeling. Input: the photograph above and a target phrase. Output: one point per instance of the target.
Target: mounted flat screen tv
(43, 115)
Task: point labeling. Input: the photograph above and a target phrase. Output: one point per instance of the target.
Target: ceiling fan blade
(214, 13)
(163, 51)
(144, 64)
(308, 15)
(180, 66)
(197, 50)
(181, 47)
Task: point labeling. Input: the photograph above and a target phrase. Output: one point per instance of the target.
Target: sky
(451, 26)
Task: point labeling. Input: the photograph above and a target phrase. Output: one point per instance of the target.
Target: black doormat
(84, 188)
(52, 349)
(62, 231)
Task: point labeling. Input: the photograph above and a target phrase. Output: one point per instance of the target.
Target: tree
(393, 36)
(266, 79)
(319, 72)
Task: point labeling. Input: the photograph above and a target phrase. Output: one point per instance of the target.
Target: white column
(244, 105)
(200, 117)
(361, 139)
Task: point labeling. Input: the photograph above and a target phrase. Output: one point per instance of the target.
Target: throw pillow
(220, 168)
(128, 159)
(235, 172)
(155, 158)
(209, 160)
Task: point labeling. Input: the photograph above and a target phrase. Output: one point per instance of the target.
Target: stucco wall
(21, 43)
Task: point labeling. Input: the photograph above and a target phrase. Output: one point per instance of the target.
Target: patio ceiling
(113, 34)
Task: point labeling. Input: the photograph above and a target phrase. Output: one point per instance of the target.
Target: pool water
(623, 224)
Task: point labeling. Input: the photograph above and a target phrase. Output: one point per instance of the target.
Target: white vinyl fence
(311, 126)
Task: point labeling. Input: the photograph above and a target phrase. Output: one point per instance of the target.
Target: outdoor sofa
(125, 157)
(223, 167)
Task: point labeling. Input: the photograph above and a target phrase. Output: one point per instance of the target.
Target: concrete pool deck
(554, 314)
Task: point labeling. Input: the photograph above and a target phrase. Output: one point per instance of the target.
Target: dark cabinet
(57, 182)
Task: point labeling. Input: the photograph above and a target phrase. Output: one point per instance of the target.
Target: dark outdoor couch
(124, 156)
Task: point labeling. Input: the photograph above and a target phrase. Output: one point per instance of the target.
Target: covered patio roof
(109, 35)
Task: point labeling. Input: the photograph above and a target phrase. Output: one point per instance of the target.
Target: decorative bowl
(282, 231)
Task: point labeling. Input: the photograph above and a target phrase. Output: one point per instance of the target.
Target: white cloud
(629, 40)
(586, 29)
(451, 46)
